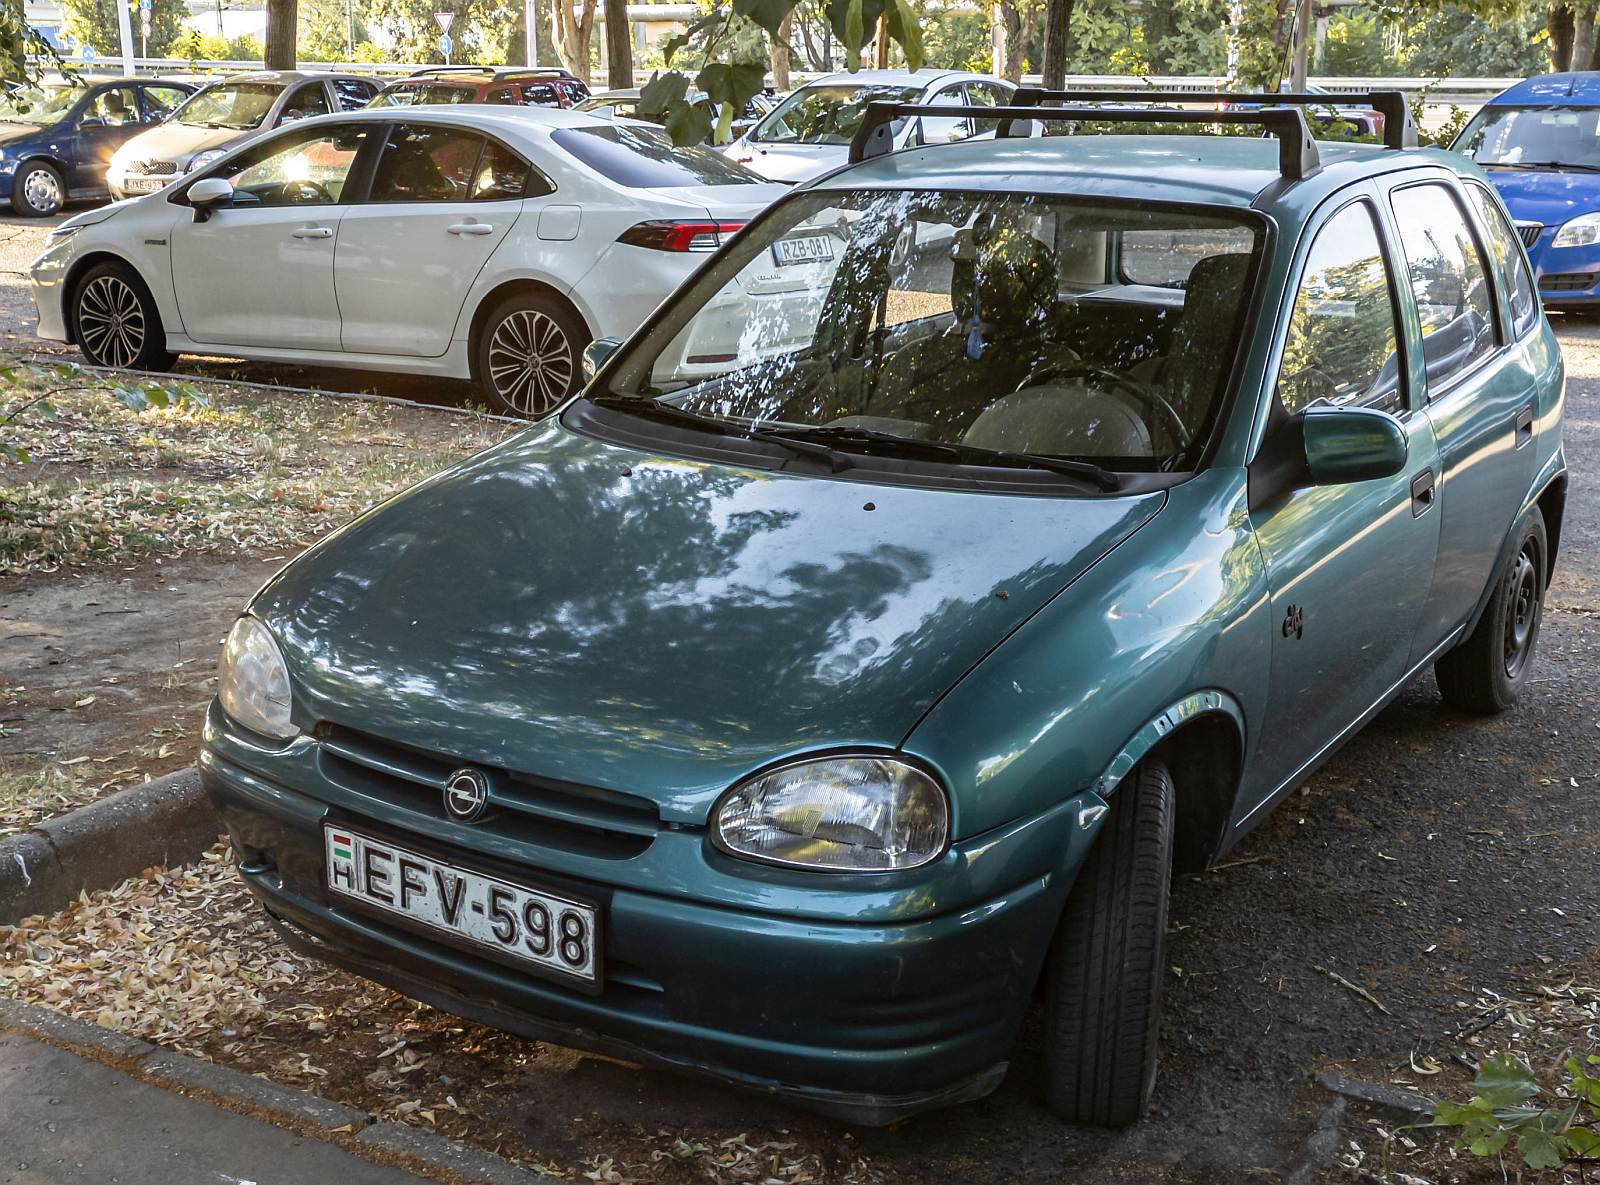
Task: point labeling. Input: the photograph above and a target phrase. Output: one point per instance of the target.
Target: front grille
(152, 168)
(1566, 281)
(585, 820)
(1529, 232)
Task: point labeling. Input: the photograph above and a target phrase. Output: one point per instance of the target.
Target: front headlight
(857, 813)
(253, 682)
(1578, 232)
(204, 160)
(60, 234)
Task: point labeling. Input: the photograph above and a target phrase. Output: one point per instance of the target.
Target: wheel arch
(506, 288)
(37, 157)
(1200, 739)
(75, 274)
(1552, 503)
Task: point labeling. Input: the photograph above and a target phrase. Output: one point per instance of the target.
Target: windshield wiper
(1540, 164)
(671, 412)
(1086, 471)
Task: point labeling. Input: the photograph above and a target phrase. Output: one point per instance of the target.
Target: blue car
(1538, 142)
(57, 137)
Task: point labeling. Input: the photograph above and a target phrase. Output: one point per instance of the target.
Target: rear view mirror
(208, 195)
(1348, 444)
(596, 353)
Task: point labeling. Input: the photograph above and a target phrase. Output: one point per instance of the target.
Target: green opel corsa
(983, 532)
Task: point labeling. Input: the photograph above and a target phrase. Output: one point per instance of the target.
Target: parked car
(517, 86)
(803, 722)
(809, 132)
(625, 103)
(1538, 142)
(475, 242)
(1333, 120)
(223, 116)
(57, 137)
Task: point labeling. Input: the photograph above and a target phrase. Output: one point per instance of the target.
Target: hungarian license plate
(803, 249)
(527, 926)
(144, 184)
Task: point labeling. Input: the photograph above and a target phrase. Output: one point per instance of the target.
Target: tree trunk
(1057, 43)
(780, 52)
(619, 46)
(881, 57)
(1011, 22)
(1558, 21)
(1299, 63)
(571, 34)
(1583, 38)
(283, 18)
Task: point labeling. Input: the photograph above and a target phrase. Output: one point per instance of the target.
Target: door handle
(470, 228)
(312, 232)
(1522, 427)
(1422, 493)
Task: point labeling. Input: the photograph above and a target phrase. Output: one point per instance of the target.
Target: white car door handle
(470, 228)
(312, 232)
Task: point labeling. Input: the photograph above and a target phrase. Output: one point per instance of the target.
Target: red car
(519, 86)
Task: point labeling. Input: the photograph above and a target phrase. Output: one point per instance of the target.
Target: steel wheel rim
(1522, 609)
(530, 362)
(42, 191)
(111, 321)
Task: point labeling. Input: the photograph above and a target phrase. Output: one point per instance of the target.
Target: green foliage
(1503, 1113)
(1440, 40)
(326, 27)
(958, 39)
(1354, 46)
(94, 22)
(478, 29)
(213, 47)
(26, 379)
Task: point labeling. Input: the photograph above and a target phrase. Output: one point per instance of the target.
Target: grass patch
(244, 471)
(29, 796)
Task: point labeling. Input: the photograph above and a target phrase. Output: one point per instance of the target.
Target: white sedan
(468, 242)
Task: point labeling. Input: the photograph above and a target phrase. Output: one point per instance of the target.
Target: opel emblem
(466, 795)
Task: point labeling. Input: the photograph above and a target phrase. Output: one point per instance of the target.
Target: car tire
(1485, 673)
(528, 356)
(115, 320)
(1105, 967)
(37, 190)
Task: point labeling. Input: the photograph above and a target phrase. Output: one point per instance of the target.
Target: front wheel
(1103, 976)
(38, 190)
(116, 322)
(528, 355)
(1485, 674)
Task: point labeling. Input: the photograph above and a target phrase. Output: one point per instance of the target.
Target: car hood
(12, 133)
(1545, 197)
(178, 142)
(581, 611)
(791, 162)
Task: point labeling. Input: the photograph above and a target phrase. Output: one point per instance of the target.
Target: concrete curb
(284, 1106)
(165, 822)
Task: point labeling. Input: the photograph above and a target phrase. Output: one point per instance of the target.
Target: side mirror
(208, 195)
(596, 353)
(1349, 444)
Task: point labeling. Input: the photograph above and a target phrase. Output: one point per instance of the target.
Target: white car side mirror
(208, 195)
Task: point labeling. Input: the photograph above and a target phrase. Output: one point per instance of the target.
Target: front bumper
(48, 281)
(1568, 277)
(855, 1002)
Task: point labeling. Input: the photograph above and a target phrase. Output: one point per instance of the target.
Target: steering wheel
(301, 192)
(1149, 397)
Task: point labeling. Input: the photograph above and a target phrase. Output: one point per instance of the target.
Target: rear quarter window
(644, 158)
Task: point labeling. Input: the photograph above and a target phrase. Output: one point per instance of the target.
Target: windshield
(43, 105)
(826, 114)
(240, 105)
(1533, 136)
(641, 156)
(1033, 324)
(414, 94)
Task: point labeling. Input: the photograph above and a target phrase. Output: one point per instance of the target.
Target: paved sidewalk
(66, 1120)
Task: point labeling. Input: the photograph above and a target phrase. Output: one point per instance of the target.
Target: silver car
(229, 112)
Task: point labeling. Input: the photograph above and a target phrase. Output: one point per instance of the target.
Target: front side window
(1534, 138)
(642, 157)
(415, 94)
(112, 108)
(307, 101)
(987, 322)
(826, 114)
(161, 101)
(943, 129)
(986, 94)
(540, 94)
(427, 163)
(352, 93)
(309, 169)
(1448, 280)
(237, 105)
(1341, 346)
(1513, 264)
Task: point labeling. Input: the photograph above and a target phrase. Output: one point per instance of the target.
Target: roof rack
(1297, 152)
(496, 71)
(1399, 131)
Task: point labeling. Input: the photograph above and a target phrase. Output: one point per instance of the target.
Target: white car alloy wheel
(41, 190)
(111, 321)
(530, 362)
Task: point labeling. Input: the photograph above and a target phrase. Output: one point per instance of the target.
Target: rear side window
(1448, 280)
(644, 158)
(539, 94)
(1507, 251)
(161, 101)
(353, 93)
(1341, 346)
(501, 174)
(427, 164)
